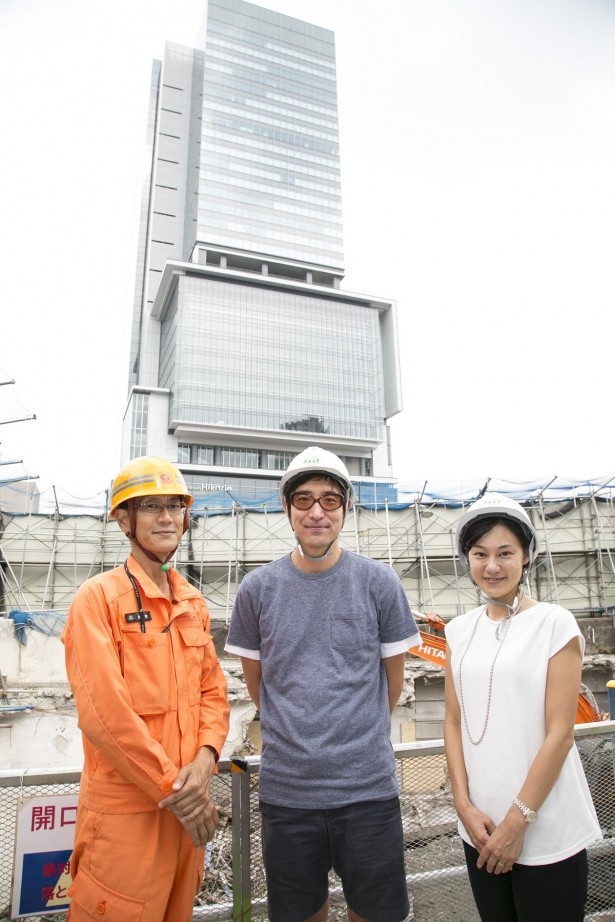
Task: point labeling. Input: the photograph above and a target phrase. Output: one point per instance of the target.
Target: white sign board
(43, 846)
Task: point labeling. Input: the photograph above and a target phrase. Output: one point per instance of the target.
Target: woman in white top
(512, 682)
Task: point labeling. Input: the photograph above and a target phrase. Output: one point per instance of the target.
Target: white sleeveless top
(498, 766)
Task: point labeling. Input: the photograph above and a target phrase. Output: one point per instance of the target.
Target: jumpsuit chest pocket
(147, 667)
(196, 649)
(348, 630)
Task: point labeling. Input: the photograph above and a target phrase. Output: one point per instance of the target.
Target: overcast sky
(478, 177)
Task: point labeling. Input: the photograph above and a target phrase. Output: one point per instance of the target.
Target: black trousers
(530, 893)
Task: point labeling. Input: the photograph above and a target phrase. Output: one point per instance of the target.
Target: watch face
(530, 816)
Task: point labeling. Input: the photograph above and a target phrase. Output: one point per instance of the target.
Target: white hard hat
(316, 461)
(494, 505)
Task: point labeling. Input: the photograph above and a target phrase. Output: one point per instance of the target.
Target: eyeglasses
(154, 508)
(328, 502)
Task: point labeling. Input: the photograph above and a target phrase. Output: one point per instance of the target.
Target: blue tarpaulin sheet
(50, 623)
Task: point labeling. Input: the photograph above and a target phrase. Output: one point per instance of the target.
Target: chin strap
(517, 601)
(512, 609)
(326, 554)
(164, 564)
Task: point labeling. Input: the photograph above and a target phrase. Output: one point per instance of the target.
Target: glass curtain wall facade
(270, 171)
(266, 359)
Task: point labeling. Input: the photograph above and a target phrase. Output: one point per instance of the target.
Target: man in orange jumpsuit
(152, 707)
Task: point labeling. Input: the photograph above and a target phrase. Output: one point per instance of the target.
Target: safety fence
(234, 886)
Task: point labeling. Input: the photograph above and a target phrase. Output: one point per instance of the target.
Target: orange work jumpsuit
(146, 702)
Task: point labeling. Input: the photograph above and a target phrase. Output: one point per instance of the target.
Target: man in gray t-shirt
(322, 635)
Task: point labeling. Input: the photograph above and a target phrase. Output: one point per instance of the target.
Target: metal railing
(234, 886)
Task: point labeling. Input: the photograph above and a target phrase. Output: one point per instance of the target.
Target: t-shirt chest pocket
(348, 630)
(146, 665)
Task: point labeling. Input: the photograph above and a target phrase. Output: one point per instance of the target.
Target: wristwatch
(530, 815)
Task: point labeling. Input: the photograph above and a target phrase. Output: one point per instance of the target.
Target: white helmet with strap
(494, 505)
(315, 461)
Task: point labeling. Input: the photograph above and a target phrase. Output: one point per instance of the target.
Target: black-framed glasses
(328, 501)
(151, 507)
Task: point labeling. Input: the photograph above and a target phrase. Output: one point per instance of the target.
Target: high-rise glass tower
(245, 348)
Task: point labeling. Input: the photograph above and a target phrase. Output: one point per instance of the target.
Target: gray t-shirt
(321, 637)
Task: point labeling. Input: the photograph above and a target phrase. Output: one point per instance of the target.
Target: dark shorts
(362, 842)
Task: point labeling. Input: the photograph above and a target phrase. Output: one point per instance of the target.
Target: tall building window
(278, 460)
(183, 454)
(237, 457)
(138, 430)
(204, 455)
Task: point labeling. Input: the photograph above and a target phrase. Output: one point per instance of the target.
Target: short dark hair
(480, 527)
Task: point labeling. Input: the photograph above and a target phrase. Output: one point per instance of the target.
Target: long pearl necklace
(512, 611)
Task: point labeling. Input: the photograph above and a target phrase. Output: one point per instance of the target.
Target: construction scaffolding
(44, 558)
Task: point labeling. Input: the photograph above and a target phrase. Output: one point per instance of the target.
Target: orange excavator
(433, 649)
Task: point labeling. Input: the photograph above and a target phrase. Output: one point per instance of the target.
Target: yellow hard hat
(147, 476)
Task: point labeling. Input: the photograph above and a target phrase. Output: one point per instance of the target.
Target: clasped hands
(498, 846)
(191, 801)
